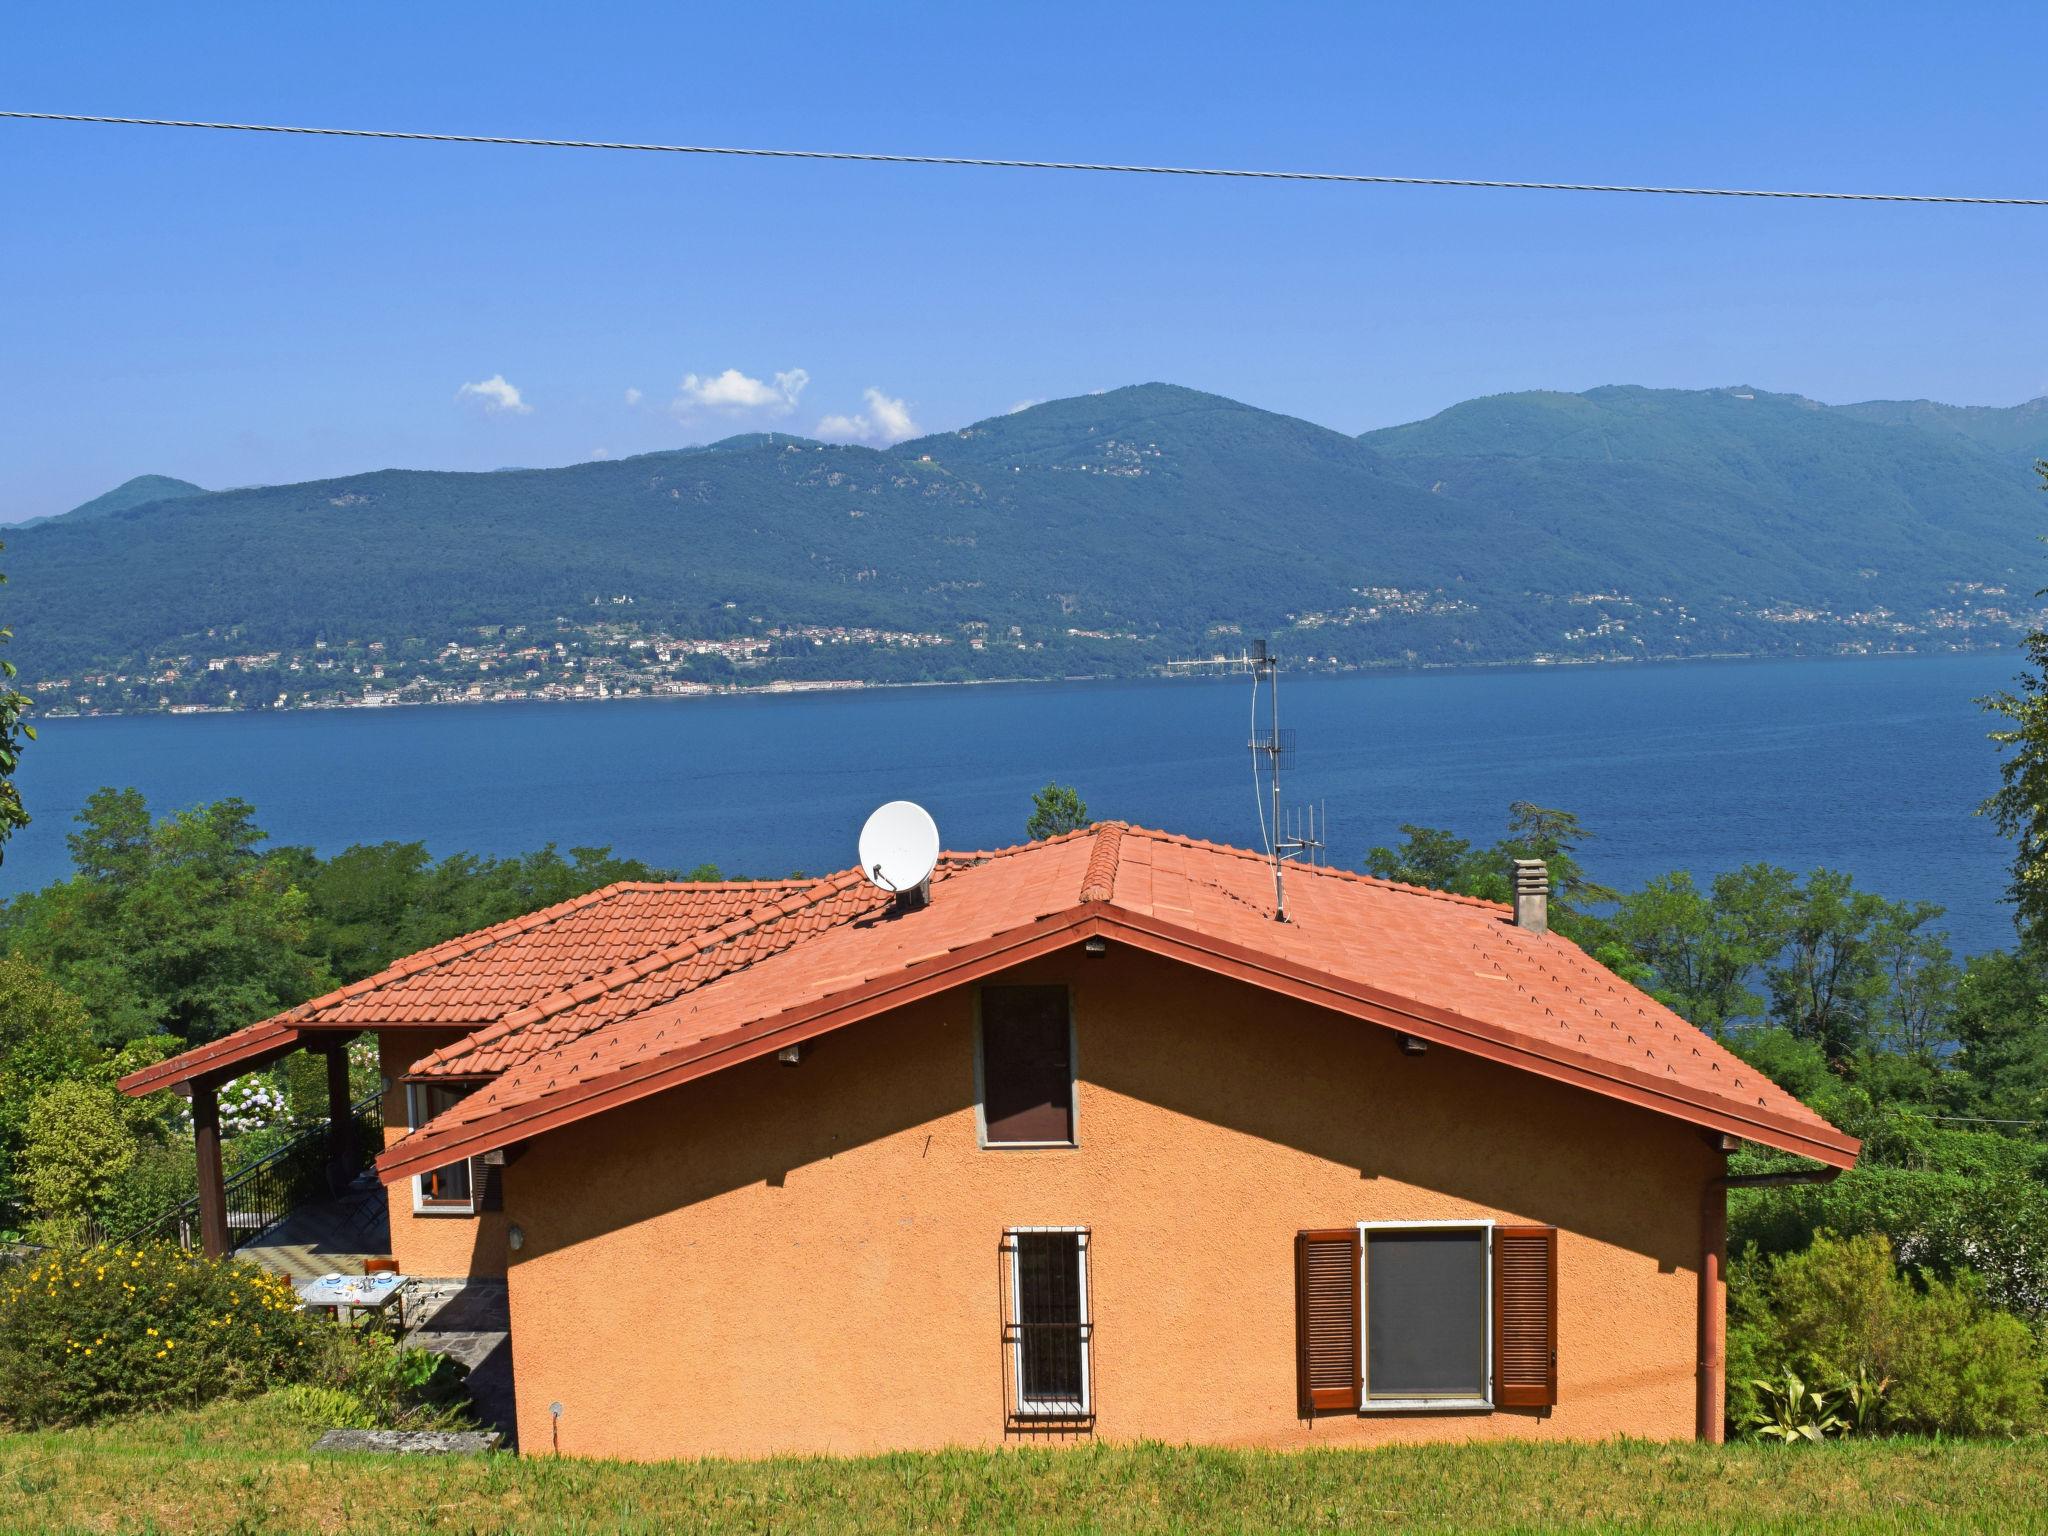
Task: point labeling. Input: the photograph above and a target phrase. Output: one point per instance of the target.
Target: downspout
(1712, 1414)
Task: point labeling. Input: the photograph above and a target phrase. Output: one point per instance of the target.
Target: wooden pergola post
(342, 1151)
(213, 1196)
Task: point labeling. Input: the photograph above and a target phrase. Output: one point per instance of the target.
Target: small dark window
(1027, 1065)
(1049, 1329)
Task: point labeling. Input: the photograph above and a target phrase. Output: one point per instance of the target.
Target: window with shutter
(1326, 1278)
(1026, 1064)
(1525, 1316)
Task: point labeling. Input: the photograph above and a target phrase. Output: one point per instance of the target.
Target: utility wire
(1218, 172)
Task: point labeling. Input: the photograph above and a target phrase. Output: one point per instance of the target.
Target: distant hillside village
(615, 659)
(621, 660)
(1102, 536)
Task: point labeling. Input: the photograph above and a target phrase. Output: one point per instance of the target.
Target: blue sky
(236, 309)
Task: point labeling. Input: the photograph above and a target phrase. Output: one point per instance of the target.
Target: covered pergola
(198, 1076)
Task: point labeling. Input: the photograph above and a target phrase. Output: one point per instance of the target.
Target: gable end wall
(805, 1259)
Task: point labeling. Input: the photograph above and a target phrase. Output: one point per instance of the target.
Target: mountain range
(1102, 534)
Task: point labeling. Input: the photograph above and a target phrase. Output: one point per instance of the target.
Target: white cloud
(886, 420)
(1022, 405)
(632, 397)
(497, 394)
(734, 393)
(600, 453)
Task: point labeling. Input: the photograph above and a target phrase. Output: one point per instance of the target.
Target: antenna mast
(1302, 833)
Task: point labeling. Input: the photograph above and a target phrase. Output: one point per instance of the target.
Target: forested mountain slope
(1104, 533)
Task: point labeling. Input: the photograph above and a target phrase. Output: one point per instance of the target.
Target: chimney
(1532, 895)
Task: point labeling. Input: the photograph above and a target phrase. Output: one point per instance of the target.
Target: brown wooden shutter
(488, 1180)
(1524, 1317)
(1326, 1301)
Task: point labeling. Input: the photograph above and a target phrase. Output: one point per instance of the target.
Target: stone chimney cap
(1532, 895)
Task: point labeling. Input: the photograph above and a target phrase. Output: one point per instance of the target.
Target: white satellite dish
(899, 848)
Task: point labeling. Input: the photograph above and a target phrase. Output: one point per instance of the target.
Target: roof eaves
(553, 1108)
(652, 1074)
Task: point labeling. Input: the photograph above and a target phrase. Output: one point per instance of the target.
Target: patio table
(351, 1294)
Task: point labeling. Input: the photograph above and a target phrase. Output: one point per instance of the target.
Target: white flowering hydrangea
(251, 1104)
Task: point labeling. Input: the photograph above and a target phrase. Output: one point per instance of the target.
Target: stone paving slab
(469, 1321)
(410, 1442)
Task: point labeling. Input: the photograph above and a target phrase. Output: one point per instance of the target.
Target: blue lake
(1872, 766)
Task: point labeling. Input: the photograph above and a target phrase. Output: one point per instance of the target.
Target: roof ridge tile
(1099, 883)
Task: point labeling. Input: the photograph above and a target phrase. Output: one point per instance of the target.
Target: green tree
(1706, 949)
(2019, 807)
(2001, 1022)
(1055, 809)
(1427, 856)
(176, 925)
(14, 732)
(45, 1038)
(1845, 949)
(373, 903)
(1432, 857)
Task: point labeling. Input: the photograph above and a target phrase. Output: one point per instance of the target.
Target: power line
(976, 163)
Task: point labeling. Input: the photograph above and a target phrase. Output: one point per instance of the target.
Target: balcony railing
(268, 1190)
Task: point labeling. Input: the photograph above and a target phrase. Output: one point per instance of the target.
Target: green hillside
(139, 492)
(1102, 534)
(1732, 493)
(2014, 429)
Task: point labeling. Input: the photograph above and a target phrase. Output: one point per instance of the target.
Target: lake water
(1872, 766)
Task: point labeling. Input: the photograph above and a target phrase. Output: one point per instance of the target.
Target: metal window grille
(1048, 1330)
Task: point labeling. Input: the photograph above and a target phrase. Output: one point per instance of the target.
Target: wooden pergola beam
(343, 1156)
(213, 1196)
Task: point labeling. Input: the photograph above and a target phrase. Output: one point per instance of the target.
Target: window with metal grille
(1048, 1330)
(1026, 1067)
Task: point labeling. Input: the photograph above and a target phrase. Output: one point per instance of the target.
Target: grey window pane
(1425, 1313)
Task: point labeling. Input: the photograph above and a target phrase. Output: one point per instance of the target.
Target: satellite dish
(899, 848)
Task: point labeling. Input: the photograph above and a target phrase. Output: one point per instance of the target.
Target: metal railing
(267, 1190)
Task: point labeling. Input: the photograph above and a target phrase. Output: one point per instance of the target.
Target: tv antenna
(1291, 835)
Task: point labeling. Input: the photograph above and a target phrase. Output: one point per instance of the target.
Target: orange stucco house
(1086, 1144)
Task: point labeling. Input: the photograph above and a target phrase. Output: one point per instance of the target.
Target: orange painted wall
(439, 1246)
(806, 1258)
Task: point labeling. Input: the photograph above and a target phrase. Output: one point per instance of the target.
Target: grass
(245, 1467)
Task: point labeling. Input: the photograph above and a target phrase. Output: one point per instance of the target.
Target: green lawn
(245, 1467)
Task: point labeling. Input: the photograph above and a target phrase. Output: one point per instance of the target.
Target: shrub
(1989, 1220)
(392, 1386)
(113, 1328)
(305, 1086)
(77, 1145)
(161, 1176)
(45, 1038)
(1841, 1312)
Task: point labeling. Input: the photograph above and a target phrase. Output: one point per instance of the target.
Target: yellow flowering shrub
(111, 1328)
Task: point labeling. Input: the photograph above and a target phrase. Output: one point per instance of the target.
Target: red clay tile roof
(1448, 969)
(480, 977)
(710, 953)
